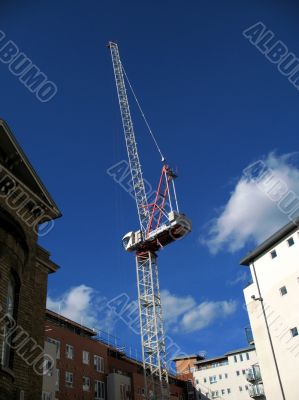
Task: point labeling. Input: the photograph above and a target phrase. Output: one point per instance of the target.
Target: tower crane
(161, 223)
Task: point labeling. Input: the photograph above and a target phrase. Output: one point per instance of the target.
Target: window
(240, 388)
(99, 390)
(241, 357)
(220, 376)
(124, 390)
(69, 379)
(205, 380)
(222, 391)
(294, 332)
(243, 371)
(238, 373)
(213, 379)
(290, 241)
(48, 367)
(283, 290)
(229, 391)
(57, 344)
(69, 352)
(226, 376)
(47, 396)
(246, 387)
(99, 363)
(215, 394)
(273, 254)
(10, 314)
(86, 383)
(85, 357)
(235, 358)
(247, 356)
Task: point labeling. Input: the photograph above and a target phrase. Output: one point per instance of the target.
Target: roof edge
(268, 243)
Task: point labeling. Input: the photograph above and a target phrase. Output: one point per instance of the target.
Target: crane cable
(144, 117)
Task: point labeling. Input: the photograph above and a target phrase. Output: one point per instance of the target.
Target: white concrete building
(50, 377)
(225, 377)
(273, 306)
(118, 386)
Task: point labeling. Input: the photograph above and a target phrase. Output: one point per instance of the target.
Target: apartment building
(225, 377)
(273, 302)
(89, 369)
(24, 205)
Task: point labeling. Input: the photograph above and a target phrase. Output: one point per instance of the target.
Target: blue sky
(215, 103)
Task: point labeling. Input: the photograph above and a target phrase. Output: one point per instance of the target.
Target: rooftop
(225, 356)
(242, 350)
(80, 329)
(211, 360)
(270, 242)
(188, 357)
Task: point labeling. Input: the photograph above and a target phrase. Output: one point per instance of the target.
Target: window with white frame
(85, 357)
(98, 363)
(57, 344)
(47, 396)
(241, 357)
(213, 379)
(86, 383)
(124, 391)
(99, 390)
(69, 379)
(69, 352)
(247, 356)
(48, 367)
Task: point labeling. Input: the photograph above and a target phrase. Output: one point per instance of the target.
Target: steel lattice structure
(160, 224)
(135, 166)
(151, 324)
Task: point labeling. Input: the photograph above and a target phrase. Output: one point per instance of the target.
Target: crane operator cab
(177, 226)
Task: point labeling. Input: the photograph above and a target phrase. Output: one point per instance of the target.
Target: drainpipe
(268, 331)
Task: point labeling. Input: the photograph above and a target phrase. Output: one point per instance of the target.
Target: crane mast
(160, 224)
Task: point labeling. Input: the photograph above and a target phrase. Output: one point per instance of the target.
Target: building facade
(89, 369)
(225, 377)
(25, 204)
(273, 302)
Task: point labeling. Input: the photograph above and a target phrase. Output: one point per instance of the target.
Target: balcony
(256, 391)
(254, 374)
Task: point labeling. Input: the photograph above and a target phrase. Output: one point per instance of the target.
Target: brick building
(24, 267)
(89, 369)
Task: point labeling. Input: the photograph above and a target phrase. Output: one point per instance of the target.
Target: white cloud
(174, 307)
(250, 215)
(183, 314)
(83, 305)
(241, 277)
